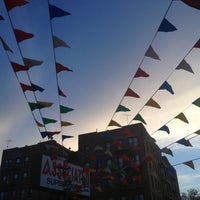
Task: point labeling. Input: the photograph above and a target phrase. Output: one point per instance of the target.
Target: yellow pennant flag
(114, 123)
(152, 103)
(189, 164)
(182, 117)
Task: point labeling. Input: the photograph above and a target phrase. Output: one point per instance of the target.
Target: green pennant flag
(47, 120)
(197, 102)
(139, 118)
(122, 108)
(113, 166)
(34, 106)
(64, 109)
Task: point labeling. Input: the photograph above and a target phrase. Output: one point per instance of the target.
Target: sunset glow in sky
(108, 41)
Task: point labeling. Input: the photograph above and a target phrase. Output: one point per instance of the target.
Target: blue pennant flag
(36, 87)
(166, 86)
(166, 26)
(164, 128)
(1, 18)
(56, 12)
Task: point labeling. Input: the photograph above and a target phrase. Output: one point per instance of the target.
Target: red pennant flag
(131, 93)
(21, 35)
(197, 45)
(60, 92)
(125, 157)
(193, 3)
(141, 73)
(135, 166)
(128, 132)
(138, 178)
(11, 4)
(148, 159)
(26, 87)
(51, 134)
(17, 67)
(136, 148)
(60, 68)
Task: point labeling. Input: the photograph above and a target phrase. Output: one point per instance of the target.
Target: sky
(108, 41)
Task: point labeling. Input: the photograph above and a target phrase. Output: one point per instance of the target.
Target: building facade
(128, 164)
(124, 164)
(21, 172)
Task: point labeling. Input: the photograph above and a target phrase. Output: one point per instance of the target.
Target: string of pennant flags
(166, 27)
(28, 64)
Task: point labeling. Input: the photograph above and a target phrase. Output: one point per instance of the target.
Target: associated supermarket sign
(61, 175)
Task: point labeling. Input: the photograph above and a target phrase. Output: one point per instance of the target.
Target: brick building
(129, 165)
(126, 165)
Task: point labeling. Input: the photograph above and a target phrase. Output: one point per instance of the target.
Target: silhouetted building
(119, 164)
(129, 165)
(37, 171)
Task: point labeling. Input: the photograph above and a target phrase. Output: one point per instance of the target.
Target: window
(25, 174)
(26, 159)
(120, 160)
(17, 160)
(87, 148)
(109, 162)
(16, 176)
(107, 146)
(4, 178)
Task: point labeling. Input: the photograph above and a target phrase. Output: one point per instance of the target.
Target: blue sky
(108, 41)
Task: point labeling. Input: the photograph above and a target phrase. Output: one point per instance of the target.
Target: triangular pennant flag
(51, 134)
(197, 132)
(107, 136)
(114, 123)
(193, 3)
(60, 68)
(164, 128)
(189, 164)
(44, 134)
(197, 102)
(66, 137)
(64, 109)
(1, 18)
(140, 73)
(37, 88)
(139, 118)
(166, 26)
(44, 103)
(166, 86)
(197, 45)
(34, 106)
(31, 62)
(57, 42)
(56, 12)
(167, 151)
(184, 142)
(127, 131)
(26, 87)
(131, 93)
(66, 123)
(185, 66)
(60, 92)
(10, 4)
(98, 148)
(5, 46)
(17, 67)
(122, 108)
(39, 124)
(21, 35)
(152, 103)
(182, 117)
(151, 53)
(47, 120)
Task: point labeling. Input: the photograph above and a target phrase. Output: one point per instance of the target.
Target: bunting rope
(21, 36)
(19, 48)
(142, 61)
